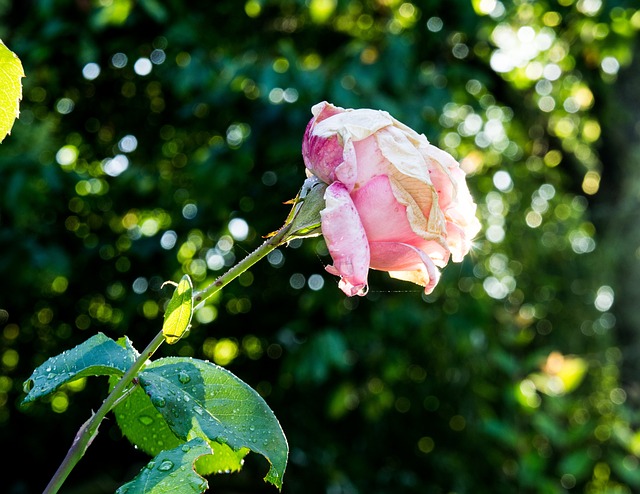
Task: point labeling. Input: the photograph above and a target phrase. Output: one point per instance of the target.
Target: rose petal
(346, 240)
(370, 161)
(322, 155)
(353, 124)
(405, 262)
(384, 219)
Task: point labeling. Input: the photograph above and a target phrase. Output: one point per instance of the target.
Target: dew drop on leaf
(165, 466)
(184, 377)
(145, 420)
(158, 402)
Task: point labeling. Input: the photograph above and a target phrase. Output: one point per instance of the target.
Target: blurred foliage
(158, 138)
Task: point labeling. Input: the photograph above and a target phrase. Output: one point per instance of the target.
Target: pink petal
(385, 219)
(322, 155)
(396, 256)
(370, 160)
(382, 216)
(346, 240)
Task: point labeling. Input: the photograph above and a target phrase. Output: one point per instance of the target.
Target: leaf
(98, 356)
(224, 459)
(200, 398)
(11, 73)
(171, 471)
(179, 311)
(142, 424)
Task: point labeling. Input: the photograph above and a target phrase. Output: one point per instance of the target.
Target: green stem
(89, 429)
(270, 244)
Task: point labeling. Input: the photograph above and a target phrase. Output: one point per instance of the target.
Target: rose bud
(394, 202)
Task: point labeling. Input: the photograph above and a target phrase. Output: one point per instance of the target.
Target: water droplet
(158, 401)
(151, 464)
(252, 428)
(165, 466)
(186, 448)
(145, 420)
(184, 377)
(198, 410)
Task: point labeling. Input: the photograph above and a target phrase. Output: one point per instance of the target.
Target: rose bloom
(394, 202)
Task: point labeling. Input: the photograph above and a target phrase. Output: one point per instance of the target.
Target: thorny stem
(89, 429)
(270, 244)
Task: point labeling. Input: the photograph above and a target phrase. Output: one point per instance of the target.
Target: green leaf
(223, 460)
(98, 356)
(171, 471)
(11, 73)
(198, 398)
(177, 318)
(142, 424)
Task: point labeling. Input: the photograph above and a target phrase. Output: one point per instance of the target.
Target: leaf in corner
(11, 74)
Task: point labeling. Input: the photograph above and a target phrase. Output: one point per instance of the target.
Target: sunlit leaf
(11, 74)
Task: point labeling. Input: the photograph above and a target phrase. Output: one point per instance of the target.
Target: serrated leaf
(171, 471)
(98, 356)
(11, 74)
(144, 426)
(179, 311)
(196, 397)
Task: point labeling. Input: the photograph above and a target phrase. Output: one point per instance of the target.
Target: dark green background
(393, 392)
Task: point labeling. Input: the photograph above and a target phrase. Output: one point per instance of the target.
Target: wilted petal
(353, 124)
(324, 110)
(405, 262)
(401, 152)
(346, 240)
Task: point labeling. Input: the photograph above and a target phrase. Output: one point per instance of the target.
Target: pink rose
(394, 202)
